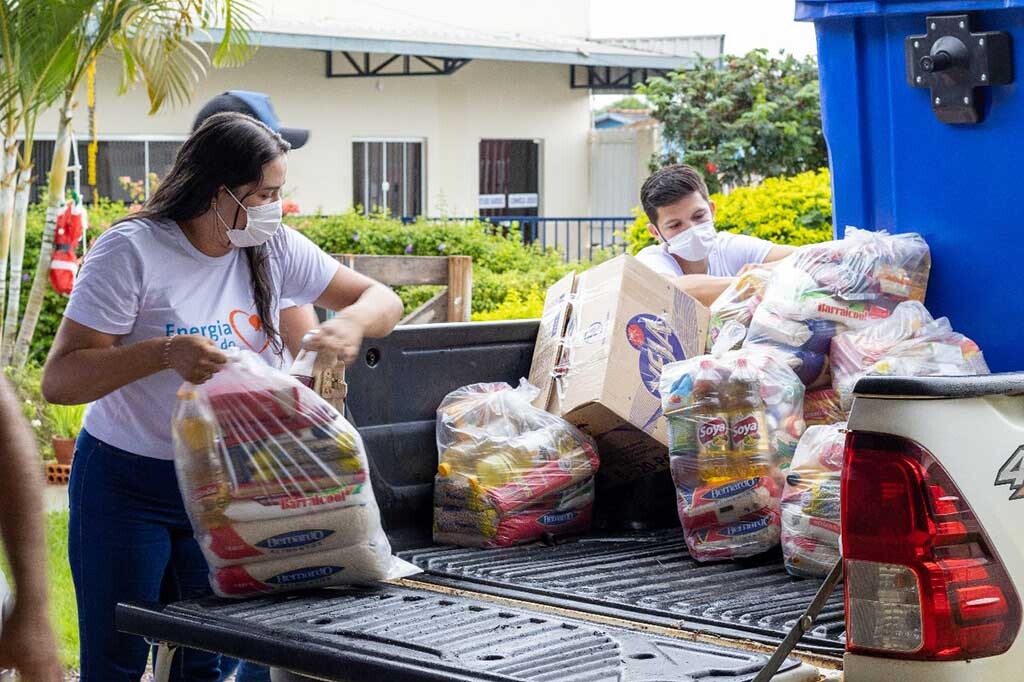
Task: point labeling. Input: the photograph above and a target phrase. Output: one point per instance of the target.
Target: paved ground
(55, 498)
(148, 677)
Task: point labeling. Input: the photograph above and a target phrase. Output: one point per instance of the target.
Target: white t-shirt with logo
(145, 279)
(728, 256)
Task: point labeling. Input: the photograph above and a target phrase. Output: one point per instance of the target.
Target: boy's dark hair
(668, 185)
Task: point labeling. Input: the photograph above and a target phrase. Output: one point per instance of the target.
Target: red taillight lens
(922, 580)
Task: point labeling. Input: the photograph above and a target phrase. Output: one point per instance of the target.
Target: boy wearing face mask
(698, 259)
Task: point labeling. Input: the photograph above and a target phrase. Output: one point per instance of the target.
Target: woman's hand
(194, 358)
(335, 341)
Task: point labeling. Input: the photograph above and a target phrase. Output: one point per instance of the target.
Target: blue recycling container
(923, 113)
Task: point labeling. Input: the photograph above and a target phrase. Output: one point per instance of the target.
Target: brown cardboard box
(604, 337)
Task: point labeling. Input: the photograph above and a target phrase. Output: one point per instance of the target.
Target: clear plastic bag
(811, 502)
(276, 484)
(822, 408)
(738, 302)
(508, 472)
(734, 420)
(825, 289)
(909, 343)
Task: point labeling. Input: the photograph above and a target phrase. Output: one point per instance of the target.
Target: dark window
(114, 159)
(510, 172)
(388, 175)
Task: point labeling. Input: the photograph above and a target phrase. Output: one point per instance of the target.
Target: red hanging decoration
(71, 224)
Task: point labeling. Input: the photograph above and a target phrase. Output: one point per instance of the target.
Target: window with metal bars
(115, 159)
(388, 174)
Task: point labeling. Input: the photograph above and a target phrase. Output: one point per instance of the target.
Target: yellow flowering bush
(796, 210)
(516, 306)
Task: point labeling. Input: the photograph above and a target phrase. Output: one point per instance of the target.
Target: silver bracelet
(167, 352)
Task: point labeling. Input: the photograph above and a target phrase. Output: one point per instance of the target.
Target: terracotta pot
(64, 449)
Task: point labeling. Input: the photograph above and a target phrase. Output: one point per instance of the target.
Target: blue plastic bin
(897, 167)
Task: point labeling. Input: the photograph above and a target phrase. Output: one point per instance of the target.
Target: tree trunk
(8, 174)
(54, 202)
(17, 256)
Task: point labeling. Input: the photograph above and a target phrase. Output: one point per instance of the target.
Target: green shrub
(66, 419)
(27, 388)
(502, 264)
(796, 210)
(516, 306)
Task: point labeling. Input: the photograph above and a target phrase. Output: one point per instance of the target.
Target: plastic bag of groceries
(508, 472)
(276, 484)
(824, 289)
(908, 343)
(738, 302)
(822, 407)
(734, 419)
(810, 502)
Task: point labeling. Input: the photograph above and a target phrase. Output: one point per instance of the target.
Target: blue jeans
(129, 539)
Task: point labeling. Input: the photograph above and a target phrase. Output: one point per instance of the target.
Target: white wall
(452, 113)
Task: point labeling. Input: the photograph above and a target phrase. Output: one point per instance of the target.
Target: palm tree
(157, 42)
(37, 51)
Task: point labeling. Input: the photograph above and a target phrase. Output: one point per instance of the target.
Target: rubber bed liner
(396, 633)
(645, 576)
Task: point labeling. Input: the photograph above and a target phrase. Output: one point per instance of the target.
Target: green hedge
(509, 278)
(502, 265)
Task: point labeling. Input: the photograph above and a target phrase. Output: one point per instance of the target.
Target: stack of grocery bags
(810, 502)
(508, 472)
(754, 428)
(836, 312)
(734, 419)
(276, 484)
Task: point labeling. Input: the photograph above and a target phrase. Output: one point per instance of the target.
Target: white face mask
(262, 223)
(693, 244)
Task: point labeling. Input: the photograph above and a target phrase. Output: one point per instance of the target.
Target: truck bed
(643, 575)
(625, 602)
(400, 634)
(646, 577)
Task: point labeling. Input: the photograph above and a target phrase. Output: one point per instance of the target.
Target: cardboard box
(604, 337)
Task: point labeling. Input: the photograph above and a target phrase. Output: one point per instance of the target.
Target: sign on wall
(491, 201)
(528, 200)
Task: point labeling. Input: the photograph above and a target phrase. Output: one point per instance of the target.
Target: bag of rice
(276, 484)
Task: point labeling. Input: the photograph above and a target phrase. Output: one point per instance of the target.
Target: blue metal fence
(577, 238)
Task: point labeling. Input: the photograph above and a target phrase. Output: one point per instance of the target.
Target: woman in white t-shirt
(699, 259)
(202, 268)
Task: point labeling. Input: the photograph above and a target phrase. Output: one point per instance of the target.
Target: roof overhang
(584, 56)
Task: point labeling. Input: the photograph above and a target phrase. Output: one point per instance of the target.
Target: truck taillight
(922, 579)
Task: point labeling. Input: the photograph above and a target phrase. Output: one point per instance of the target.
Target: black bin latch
(952, 62)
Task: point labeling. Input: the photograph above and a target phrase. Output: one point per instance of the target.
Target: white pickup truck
(932, 535)
(933, 504)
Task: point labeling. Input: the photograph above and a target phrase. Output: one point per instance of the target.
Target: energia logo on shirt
(242, 329)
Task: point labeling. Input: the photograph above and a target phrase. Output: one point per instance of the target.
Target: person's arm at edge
(295, 321)
(28, 643)
(778, 252)
(704, 288)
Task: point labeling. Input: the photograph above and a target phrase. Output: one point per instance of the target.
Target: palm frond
(46, 35)
(237, 18)
(157, 40)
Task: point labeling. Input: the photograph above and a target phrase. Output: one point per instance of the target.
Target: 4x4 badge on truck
(1012, 474)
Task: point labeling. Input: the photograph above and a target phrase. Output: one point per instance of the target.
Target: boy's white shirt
(728, 256)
